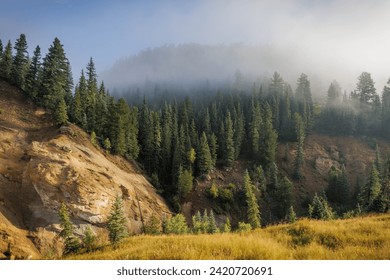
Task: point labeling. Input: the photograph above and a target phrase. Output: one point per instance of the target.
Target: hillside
(42, 166)
(353, 239)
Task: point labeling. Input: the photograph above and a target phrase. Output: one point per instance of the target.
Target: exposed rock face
(42, 166)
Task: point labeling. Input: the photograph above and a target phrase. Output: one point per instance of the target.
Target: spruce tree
(177, 225)
(268, 139)
(229, 142)
(370, 193)
(6, 62)
(204, 156)
(20, 63)
(72, 243)
(184, 183)
(92, 92)
(61, 116)
(116, 223)
(56, 77)
(283, 197)
(34, 75)
(254, 130)
(292, 217)
(227, 227)
(319, 209)
(212, 228)
(300, 133)
(213, 149)
(304, 100)
(253, 210)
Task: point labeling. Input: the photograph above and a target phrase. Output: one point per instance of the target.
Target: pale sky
(332, 39)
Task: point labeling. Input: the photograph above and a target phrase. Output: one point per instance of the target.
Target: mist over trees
(176, 140)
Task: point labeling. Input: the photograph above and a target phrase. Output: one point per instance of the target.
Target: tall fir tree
(20, 63)
(268, 139)
(204, 156)
(116, 223)
(300, 134)
(92, 92)
(253, 210)
(34, 74)
(229, 142)
(6, 62)
(370, 193)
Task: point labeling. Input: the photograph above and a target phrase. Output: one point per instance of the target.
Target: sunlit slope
(358, 238)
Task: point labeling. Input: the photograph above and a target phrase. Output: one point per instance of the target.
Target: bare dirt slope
(42, 166)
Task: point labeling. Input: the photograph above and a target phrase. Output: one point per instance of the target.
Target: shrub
(243, 227)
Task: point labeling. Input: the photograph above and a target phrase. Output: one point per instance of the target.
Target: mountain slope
(42, 166)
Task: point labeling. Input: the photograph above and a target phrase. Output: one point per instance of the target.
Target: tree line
(186, 138)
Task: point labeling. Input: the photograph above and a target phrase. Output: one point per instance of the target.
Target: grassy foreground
(357, 238)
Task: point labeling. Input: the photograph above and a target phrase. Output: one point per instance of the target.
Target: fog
(213, 40)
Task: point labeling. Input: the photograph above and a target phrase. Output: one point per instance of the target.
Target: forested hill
(180, 143)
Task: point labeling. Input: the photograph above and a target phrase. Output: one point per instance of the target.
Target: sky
(332, 39)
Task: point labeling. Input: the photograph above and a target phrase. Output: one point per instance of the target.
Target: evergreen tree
(204, 156)
(34, 74)
(1, 50)
(20, 63)
(212, 227)
(197, 223)
(300, 132)
(78, 114)
(370, 193)
(177, 225)
(227, 227)
(213, 149)
(319, 209)
(292, 217)
(116, 223)
(254, 132)
(229, 142)
(92, 92)
(386, 109)
(283, 197)
(365, 89)
(72, 243)
(6, 62)
(107, 145)
(304, 100)
(184, 183)
(253, 210)
(56, 77)
(61, 116)
(268, 139)
(89, 240)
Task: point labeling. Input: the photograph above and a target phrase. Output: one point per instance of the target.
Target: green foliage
(292, 217)
(369, 195)
(71, 242)
(283, 197)
(229, 152)
(153, 226)
(253, 211)
(268, 139)
(243, 227)
(34, 74)
(213, 190)
(300, 132)
(6, 62)
(61, 115)
(205, 162)
(227, 227)
(184, 183)
(176, 225)
(319, 209)
(212, 226)
(21, 62)
(93, 139)
(116, 223)
(89, 240)
(107, 144)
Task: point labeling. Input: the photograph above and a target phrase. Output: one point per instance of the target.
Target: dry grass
(358, 238)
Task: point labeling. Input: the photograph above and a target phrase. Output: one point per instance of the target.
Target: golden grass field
(350, 239)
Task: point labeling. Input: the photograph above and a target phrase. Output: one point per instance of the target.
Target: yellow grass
(358, 238)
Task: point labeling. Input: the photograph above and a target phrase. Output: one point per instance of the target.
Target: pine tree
(1, 50)
(213, 149)
(292, 217)
(197, 223)
(92, 92)
(34, 74)
(227, 227)
(319, 209)
(304, 99)
(116, 223)
(61, 115)
(21, 62)
(72, 243)
(283, 197)
(253, 210)
(268, 139)
(300, 132)
(6, 62)
(212, 228)
(56, 77)
(177, 225)
(89, 240)
(78, 114)
(204, 156)
(107, 145)
(370, 193)
(386, 109)
(229, 142)
(254, 131)
(184, 183)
